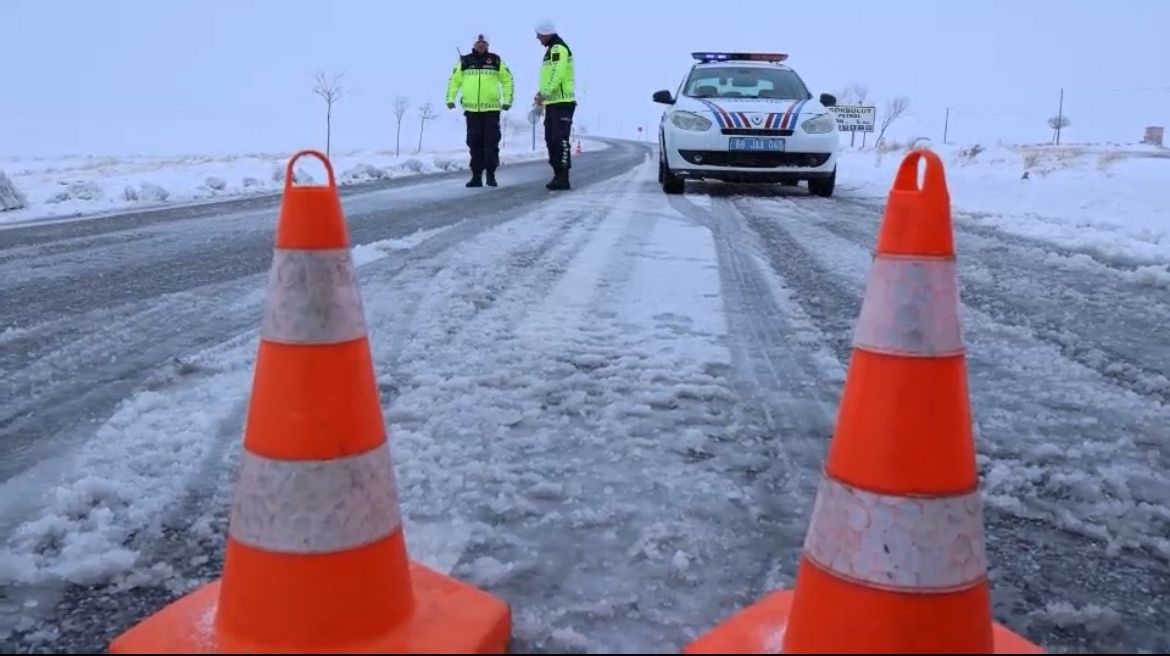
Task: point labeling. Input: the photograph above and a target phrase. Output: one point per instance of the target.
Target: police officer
(557, 97)
(486, 86)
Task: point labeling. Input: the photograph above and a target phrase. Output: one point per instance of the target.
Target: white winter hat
(546, 28)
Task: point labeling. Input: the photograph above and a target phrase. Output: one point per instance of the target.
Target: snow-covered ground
(1110, 201)
(532, 384)
(89, 185)
(610, 407)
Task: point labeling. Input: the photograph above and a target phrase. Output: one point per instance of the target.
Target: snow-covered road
(609, 407)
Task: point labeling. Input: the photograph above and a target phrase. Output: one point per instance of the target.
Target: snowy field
(610, 407)
(1109, 201)
(89, 185)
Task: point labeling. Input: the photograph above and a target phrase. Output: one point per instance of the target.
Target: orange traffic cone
(894, 560)
(316, 557)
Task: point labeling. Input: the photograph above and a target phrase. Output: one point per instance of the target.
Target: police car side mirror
(663, 97)
(828, 100)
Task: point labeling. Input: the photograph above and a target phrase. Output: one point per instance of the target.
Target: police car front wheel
(823, 187)
(671, 183)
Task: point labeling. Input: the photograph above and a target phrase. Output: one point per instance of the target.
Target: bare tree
(425, 113)
(330, 92)
(401, 104)
(1058, 123)
(895, 109)
(855, 95)
(861, 94)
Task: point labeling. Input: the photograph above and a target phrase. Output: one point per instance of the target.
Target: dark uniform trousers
(558, 126)
(483, 140)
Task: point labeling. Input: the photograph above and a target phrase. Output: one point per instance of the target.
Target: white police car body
(746, 117)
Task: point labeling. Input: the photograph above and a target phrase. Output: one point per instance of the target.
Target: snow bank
(1108, 201)
(78, 186)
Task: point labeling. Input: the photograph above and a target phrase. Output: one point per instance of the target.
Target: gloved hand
(450, 105)
(507, 106)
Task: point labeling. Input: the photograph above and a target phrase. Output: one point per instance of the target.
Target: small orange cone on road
(894, 559)
(316, 557)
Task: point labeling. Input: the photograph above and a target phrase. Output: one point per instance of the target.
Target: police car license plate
(757, 143)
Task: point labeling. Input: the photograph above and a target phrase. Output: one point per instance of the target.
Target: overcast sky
(194, 76)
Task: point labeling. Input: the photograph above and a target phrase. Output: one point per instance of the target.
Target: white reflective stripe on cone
(312, 298)
(911, 307)
(315, 506)
(906, 544)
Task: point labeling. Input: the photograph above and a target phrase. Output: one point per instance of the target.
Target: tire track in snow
(1055, 480)
(556, 430)
(787, 379)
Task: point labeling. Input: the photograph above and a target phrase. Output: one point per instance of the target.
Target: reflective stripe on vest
(312, 298)
(911, 308)
(315, 506)
(905, 544)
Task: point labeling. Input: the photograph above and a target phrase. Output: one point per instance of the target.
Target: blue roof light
(773, 57)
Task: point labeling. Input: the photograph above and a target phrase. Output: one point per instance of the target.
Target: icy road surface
(608, 407)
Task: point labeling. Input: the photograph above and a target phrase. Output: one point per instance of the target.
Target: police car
(746, 117)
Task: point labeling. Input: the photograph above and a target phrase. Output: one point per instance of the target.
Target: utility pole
(946, 125)
(1060, 116)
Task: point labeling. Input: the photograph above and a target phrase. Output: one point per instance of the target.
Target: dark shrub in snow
(10, 196)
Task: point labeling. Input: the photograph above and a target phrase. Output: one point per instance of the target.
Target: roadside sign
(855, 118)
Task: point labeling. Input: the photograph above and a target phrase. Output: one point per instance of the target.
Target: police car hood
(753, 113)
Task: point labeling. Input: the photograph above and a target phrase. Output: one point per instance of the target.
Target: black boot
(476, 179)
(560, 181)
(491, 178)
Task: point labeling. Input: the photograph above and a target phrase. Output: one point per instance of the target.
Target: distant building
(1154, 135)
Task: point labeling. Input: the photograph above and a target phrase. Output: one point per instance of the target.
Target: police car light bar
(774, 57)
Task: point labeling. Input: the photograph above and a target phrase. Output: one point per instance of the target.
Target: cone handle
(933, 183)
(288, 172)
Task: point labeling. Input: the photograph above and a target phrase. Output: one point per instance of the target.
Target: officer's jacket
(556, 73)
(480, 78)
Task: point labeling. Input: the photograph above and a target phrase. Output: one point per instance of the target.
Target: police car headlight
(820, 124)
(690, 121)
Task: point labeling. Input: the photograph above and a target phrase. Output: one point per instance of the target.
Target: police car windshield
(745, 82)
